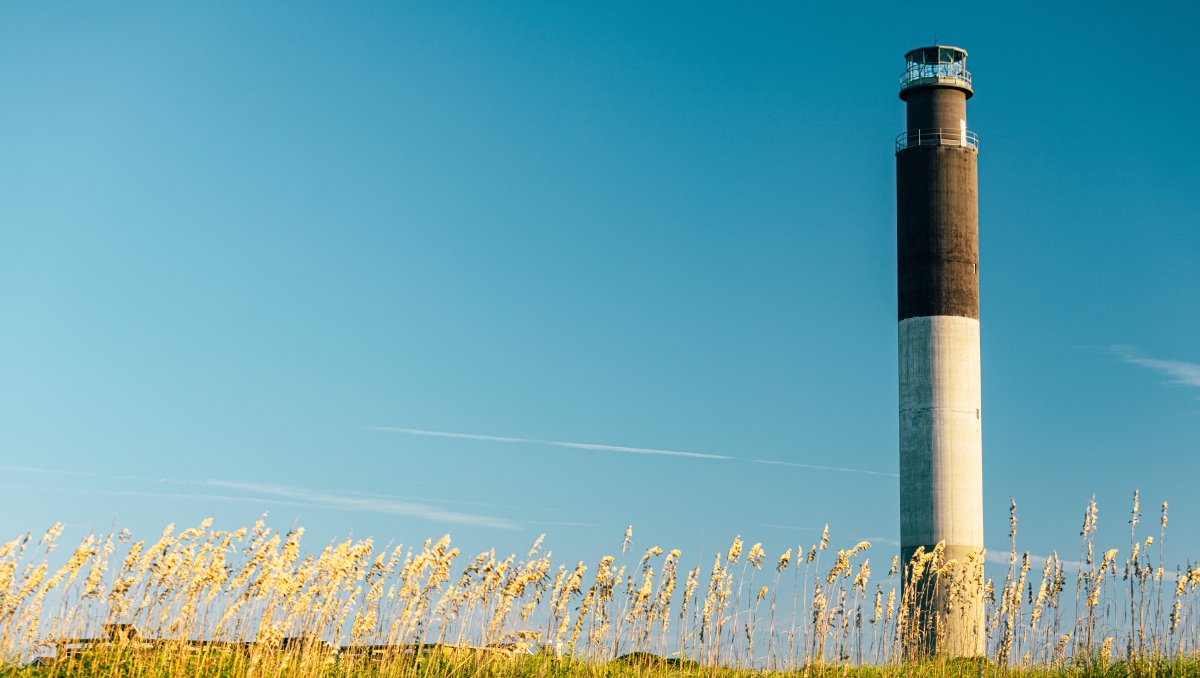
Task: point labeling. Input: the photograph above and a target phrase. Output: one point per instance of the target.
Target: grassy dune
(253, 601)
(548, 667)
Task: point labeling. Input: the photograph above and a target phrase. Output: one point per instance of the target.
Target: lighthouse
(937, 243)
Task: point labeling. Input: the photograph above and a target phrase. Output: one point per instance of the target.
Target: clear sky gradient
(637, 258)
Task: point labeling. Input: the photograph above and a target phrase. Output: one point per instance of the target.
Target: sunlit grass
(253, 601)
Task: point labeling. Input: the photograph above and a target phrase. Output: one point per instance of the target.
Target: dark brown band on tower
(937, 241)
(936, 108)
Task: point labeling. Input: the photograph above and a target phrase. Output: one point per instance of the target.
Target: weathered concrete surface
(941, 443)
(941, 473)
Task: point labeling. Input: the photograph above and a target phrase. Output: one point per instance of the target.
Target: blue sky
(249, 248)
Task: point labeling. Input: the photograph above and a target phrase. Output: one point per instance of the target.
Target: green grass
(646, 666)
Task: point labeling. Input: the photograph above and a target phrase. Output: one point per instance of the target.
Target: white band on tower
(941, 440)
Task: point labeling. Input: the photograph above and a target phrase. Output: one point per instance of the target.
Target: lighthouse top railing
(933, 66)
(948, 136)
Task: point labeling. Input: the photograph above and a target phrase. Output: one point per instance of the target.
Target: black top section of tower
(937, 204)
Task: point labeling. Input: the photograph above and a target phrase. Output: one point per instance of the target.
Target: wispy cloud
(1001, 557)
(278, 494)
(1037, 562)
(240, 499)
(1179, 371)
(595, 447)
(364, 503)
(79, 474)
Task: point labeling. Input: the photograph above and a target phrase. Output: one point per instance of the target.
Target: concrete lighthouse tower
(937, 237)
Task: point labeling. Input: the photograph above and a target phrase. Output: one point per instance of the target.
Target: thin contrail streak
(552, 443)
(619, 448)
(817, 467)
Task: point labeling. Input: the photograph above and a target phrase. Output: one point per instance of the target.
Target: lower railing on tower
(943, 136)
